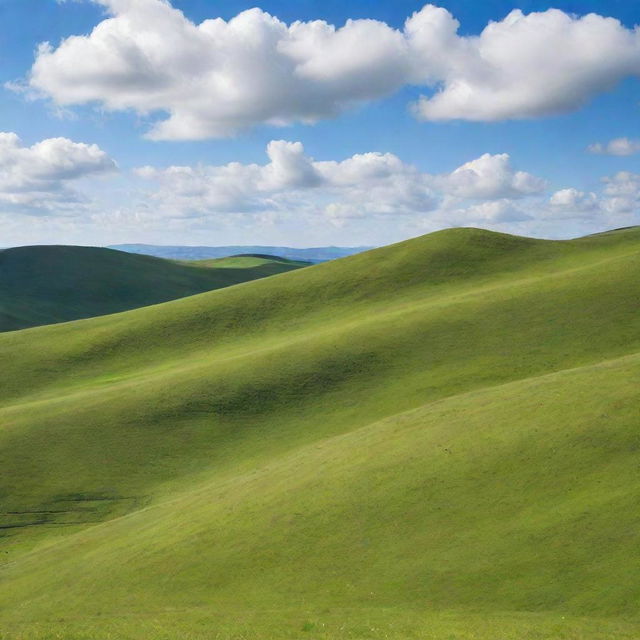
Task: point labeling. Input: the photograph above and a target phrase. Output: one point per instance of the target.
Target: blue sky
(368, 170)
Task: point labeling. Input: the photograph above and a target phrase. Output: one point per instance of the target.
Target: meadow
(437, 439)
(48, 284)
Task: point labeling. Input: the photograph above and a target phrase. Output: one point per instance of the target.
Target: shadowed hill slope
(312, 254)
(437, 437)
(50, 284)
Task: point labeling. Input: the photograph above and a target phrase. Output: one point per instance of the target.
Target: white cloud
(572, 203)
(371, 183)
(362, 186)
(289, 167)
(495, 214)
(616, 147)
(37, 179)
(489, 177)
(218, 77)
(622, 193)
(497, 211)
(617, 204)
(623, 183)
(369, 198)
(532, 65)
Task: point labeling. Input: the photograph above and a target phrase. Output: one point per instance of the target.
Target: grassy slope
(264, 430)
(43, 285)
(246, 260)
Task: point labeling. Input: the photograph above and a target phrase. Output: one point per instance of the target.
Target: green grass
(49, 284)
(243, 261)
(437, 439)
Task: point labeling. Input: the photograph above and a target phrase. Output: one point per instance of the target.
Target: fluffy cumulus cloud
(529, 65)
(362, 186)
(622, 193)
(618, 203)
(616, 147)
(572, 203)
(219, 77)
(370, 183)
(290, 187)
(489, 177)
(38, 179)
(375, 194)
(503, 214)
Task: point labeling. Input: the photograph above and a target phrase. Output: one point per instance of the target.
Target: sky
(315, 122)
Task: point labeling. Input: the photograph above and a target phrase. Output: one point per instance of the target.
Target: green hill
(437, 439)
(49, 284)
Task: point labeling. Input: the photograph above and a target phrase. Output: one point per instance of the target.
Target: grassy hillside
(310, 254)
(248, 260)
(436, 439)
(45, 285)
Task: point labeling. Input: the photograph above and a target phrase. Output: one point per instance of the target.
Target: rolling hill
(436, 439)
(313, 254)
(48, 284)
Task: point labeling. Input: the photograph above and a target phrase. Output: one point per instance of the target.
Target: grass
(48, 284)
(249, 260)
(338, 624)
(436, 439)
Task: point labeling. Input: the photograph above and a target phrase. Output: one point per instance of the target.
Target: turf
(248, 260)
(437, 439)
(48, 284)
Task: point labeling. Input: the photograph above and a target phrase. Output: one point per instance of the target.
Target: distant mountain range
(315, 254)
